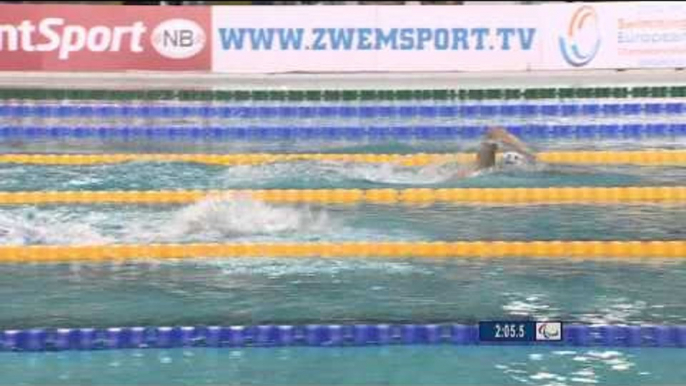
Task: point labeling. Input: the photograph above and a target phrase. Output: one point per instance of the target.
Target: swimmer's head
(513, 159)
(486, 155)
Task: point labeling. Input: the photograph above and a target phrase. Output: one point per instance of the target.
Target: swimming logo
(548, 331)
(581, 43)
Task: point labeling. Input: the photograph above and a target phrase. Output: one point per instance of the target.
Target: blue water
(243, 221)
(299, 290)
(264, 291)
(314, 174)
(418, 365)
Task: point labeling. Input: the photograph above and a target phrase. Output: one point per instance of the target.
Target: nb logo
(178, 39)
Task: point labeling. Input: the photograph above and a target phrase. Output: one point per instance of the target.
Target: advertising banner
(278, 39)
(376, 38)
(614, 35)
(104, 38)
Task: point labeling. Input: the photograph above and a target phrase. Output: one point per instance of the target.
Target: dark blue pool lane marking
(350, 133)
(322, 336)
(340, 111)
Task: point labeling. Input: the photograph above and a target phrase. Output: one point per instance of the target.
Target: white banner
(371, 38)
(614, 35)
(449, 38)
(649, 35)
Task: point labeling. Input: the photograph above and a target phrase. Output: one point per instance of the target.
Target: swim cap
(512, 158)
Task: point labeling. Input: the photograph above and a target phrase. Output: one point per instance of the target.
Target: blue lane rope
(340, 111)
(421, 132)
(321, 336)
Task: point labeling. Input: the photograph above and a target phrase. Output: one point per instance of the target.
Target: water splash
(534, 306)
(618, 311)
(387, 173)
(278, 268)
(32, 227)
(332, 173)
(235, 216)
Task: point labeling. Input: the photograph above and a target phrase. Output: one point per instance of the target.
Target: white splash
(278, 268)
(540, 376)
(622, 367)
(564, 352)
(388, 173)
(335, 171)
(532, 305)
(588, 372)
(31, 228)
(605, 354)
(584, 380)
(233, 216)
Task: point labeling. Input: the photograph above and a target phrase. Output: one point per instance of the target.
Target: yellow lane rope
(534, 249)
(553, 195)
(647, 157)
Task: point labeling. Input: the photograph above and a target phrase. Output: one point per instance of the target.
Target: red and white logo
(104, 38)
(56, 35)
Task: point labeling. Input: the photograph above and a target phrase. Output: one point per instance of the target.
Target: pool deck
(207, 81)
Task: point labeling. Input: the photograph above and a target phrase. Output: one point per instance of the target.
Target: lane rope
(632, 250)
(348, 95)
(322, 335)
(341, 111)
(345, 133)
(500, 196)
(644, 157)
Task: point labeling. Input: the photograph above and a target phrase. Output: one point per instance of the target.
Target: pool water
(420, 365)
(320, 174)
(236, 291)
(298, 291)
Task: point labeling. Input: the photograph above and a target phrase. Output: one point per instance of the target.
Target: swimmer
(494, 138)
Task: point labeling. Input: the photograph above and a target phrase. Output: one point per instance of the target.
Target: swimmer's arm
(493, 134)
(503, 136)
(521, 147)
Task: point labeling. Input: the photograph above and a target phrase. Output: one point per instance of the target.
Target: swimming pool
(596, 127)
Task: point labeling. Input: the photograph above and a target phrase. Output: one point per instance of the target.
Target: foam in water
(387, 173)
(275, 173)
(233, 216)
(336, 172)
(277, 268)
(30, 228)
(333, 171)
